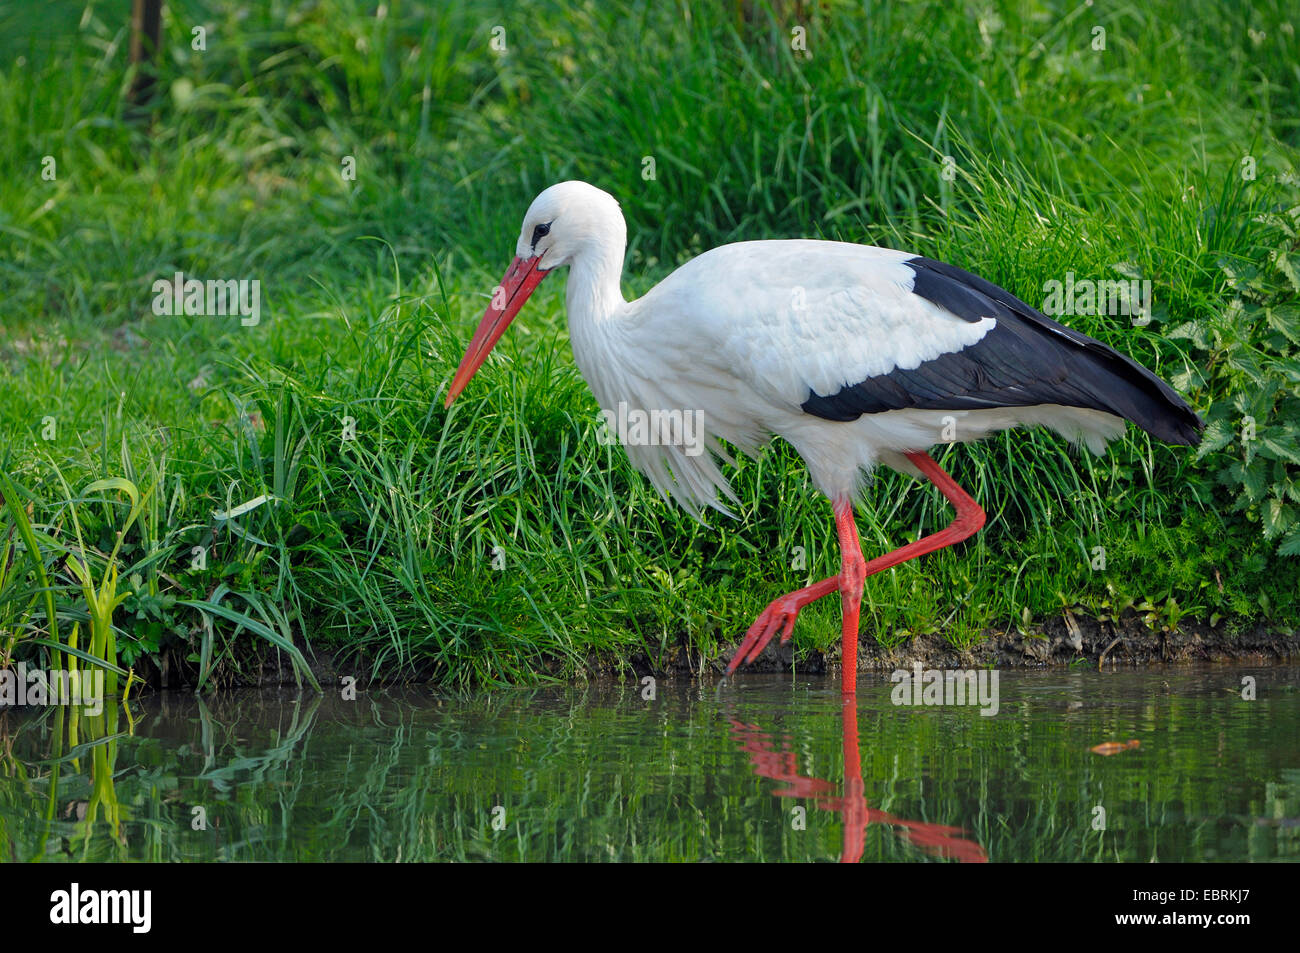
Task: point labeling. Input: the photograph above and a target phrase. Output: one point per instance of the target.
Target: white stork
(856, 355)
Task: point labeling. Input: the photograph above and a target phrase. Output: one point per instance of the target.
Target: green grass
(500, 542)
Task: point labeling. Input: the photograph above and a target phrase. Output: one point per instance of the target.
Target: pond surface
(767, 768)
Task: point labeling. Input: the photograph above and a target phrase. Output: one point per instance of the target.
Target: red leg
(970, 517)
(781, 614)
(853, 572)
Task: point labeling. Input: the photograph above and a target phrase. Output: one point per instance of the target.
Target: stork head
(566, 223)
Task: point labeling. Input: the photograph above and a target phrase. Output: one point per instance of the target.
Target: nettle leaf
(1239, 318)
(1278, 517)
(1258, 401)
(1285, 319)
(1188, 380)
(1290, 268)
(1290, 367)
(1245, 362)
(1250, 479)
(1280, 221)
(1217, 435)
(1277, 444)
(1241, 276)
(1290, 545)
(1194, 331)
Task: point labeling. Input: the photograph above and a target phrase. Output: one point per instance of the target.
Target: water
(769, 768)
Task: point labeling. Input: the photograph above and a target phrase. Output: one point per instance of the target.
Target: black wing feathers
(1026, 359)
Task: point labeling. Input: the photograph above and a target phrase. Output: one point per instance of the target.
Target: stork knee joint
(853, 575)
(970, 521)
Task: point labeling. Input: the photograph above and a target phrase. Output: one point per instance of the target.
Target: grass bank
(198, 491)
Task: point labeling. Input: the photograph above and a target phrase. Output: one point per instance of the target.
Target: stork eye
(540, 231)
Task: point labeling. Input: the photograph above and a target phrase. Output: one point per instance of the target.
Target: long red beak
(520, 279)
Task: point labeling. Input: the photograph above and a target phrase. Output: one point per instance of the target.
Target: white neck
(594, 294)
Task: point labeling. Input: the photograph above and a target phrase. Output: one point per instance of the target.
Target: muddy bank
(1072, 640)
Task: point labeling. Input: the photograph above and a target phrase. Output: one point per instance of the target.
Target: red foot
(779, 616)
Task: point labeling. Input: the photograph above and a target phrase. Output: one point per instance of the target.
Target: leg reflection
(779, 762)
